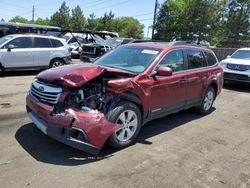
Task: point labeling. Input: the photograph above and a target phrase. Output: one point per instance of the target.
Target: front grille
(44, 92)
(238, 67)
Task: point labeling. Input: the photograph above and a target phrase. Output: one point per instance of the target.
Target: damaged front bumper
(86, 131)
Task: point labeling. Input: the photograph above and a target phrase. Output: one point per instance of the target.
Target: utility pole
(33, 14)
(155, 12)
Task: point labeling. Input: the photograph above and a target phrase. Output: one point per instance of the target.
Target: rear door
(196, 76)
(168, 93)
(42, 52)
(20, 56)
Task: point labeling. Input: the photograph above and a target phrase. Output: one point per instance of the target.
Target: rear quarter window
(211, 60)
(195, 59)
(56, 43)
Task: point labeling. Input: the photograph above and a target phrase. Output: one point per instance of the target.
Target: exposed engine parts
(90, 97)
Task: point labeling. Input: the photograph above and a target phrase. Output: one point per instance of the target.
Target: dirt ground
(180, 150)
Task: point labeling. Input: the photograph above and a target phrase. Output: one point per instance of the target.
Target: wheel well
(134, 99)
(57, 58)
(215, 86)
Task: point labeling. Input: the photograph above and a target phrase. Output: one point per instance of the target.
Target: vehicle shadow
(47, 150)
(19, 73)
(237, 86)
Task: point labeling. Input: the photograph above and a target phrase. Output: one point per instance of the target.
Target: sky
(143, 10)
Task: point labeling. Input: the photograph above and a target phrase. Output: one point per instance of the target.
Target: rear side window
(195, 59)
(211, 60)
(42, 43)
(20, 42)
(56, 43)
(174, 59)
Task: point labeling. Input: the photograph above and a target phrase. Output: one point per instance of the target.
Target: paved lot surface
(180, 150)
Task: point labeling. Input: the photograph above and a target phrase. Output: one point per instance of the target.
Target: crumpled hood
(72, 75)
(237, 61)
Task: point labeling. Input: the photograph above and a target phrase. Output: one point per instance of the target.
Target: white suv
(29, 51)
(237, 66)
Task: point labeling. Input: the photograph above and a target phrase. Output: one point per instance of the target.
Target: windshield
(132, 59)
(4, 39)
(113, 42)
(98, 39)
(241, 54)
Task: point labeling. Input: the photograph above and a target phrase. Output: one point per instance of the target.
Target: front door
(20, 55)
(168, 93)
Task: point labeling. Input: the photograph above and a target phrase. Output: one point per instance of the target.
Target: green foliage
(221, 22)
(61, 17)
(129, 27)
(235, 26)
(186, 19)
(41, 21)
(92, 22)
(19, 19)
(77, 21)
(124, 26)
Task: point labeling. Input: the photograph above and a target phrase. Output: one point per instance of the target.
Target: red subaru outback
(87, 105)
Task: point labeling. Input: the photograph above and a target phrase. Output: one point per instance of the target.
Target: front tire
(128, 117)
(207, 102)
(56, 63)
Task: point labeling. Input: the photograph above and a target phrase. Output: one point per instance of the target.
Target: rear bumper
(70, 136)
(87, 131)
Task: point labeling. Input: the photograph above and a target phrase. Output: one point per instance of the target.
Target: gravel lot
(180, 150)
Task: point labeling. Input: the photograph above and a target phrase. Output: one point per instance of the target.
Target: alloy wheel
(208, 101)
(128, 122)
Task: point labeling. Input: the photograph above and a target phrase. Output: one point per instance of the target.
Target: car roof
(34, 35)
(165, 45)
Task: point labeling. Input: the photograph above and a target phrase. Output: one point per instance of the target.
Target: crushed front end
(73, 114)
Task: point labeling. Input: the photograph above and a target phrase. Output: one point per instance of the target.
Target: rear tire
(56, 63)
(128, 116)
(207, 101)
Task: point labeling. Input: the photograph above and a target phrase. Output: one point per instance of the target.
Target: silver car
(29, 51)
(237, 66)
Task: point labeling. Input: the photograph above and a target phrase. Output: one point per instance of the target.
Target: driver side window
(20, 42)
(174, 60)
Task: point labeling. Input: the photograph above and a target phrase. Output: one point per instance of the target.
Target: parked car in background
(31, 51)
(90, 52)
(77, 40)
(87, 105)
(237, 66)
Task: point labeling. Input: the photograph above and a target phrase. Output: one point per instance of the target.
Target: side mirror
(164, 71)
(10, 47)
(228, 56)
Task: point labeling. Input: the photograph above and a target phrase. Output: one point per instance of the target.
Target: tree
(92, 22)
(41, 21)
(186, 19)
(61, 18)
(106, 22)
(19, 19)
(77, 21)
(2, 20)
(128, 27)
(235, 25)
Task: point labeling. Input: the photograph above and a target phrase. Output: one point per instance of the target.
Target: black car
(94, 50)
